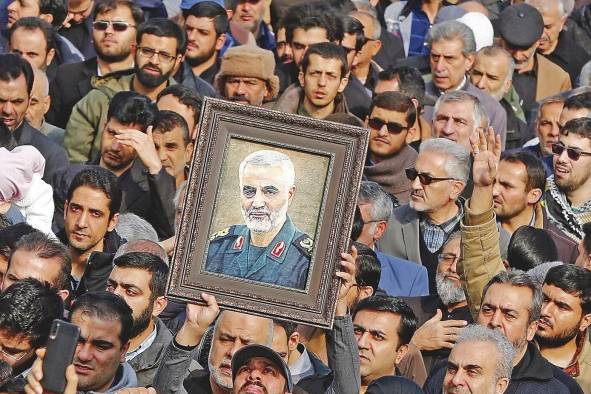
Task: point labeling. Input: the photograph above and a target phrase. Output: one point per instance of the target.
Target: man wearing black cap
(260, 366)
(520, 27)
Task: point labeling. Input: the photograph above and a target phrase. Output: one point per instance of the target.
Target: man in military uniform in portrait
(269, 247)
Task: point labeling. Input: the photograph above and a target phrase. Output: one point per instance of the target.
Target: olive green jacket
(82, 139)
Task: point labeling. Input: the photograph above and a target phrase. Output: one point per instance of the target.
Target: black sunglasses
(425, 179)
(117, 25)
(393, 127)
(573, 153)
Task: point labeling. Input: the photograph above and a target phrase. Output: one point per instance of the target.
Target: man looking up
(569, 189)
(159, 46)
(140, 278)
(247, 75)
(391, 118)
(127, 150)
(172, 141)
(257, 367)
(492, 72)
(452, 49)
(206, 24)
(91, 213)
(418, 230)
(562, 333)
(323, 79)
(113, 34)
(16, 84)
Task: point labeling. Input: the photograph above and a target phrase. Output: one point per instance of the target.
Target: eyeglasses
(573, 153)
(162, 56)
(425, 179)
(393, 127)
(117, 25)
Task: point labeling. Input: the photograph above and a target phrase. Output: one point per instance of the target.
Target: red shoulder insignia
(238, 243)
(278, 249)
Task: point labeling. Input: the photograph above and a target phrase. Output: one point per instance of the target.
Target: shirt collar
(573, 368)
(143, 346)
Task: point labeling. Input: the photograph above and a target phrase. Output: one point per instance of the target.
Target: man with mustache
(269, 247)
(158, 50)
(247, 75)
(257, 368)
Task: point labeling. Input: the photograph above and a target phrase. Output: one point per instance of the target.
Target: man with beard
(206, 24)
(247, 75)
(91, 212)
(260, 369)
(159, 47)
(113, 34)
(492, 72)
(568, 199)
(563, 335)
(269, 248)
(128, 151)
(441, 316)
(140, 279)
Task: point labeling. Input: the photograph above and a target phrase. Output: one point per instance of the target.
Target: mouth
(192, 46)
(363, 358)
(82, 369)
(544, 324)
(78, 235)
(497, 202)
(112, 156)
(319, 94)
(152, 70)
(416, 195)
(455, 278)
(381, 140)
(560, 170)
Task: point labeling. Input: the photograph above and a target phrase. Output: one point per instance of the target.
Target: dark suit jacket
(71, 83)
(55, 156)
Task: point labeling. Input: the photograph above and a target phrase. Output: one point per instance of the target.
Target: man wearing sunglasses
(113, 34)
(418, 230)
(568, 198)
(158, 52)
(391, 118)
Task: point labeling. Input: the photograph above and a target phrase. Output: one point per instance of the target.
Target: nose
(362, 342)
(495, 321)
(416, 184)
(439, 64)
(496, 190)
(161, 154)
(82, 221)
(83, 352)
(235, 347)
(448, 127)
(322, 80)
(480, 84)
(241, 88)
(554, 131)
(458, 379)
(258, 199)
(7, 108)
(546, 309)
(383, 130)
(254, 375)
(454, 266)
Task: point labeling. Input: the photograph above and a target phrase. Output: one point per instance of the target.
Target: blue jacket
(402, 277)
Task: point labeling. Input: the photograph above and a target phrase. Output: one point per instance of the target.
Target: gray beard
(448, 290)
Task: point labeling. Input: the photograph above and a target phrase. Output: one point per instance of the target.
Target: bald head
(40, 100)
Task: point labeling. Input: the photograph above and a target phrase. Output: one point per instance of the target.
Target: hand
(487, 154)
(198, 319)
(34, 377)
(347, 276)
(137, 390)
(168, 245)
(436, 334)
(143, 143)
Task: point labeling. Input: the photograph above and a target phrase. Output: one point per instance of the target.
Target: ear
(219, 42)
(469, 61)
(364, 292)
(343, 84)
(63, 294)
(159, 306)
(66, 208)
(113, 222)
(188, 152)
(531, 330)
(585, 322)
(534, 195)
(50, 56)
(301, 78)
(230, 13)
(410, 133)
(380, 229)
(375, 47)
(46, 102)
(506, 264)
(47, 18)
(501, 385)
(507, 85)
(400, 353)
(457, 189)
(291, 193)
(293, 341)
(124, 350)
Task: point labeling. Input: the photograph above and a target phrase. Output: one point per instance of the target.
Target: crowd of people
(469, 269)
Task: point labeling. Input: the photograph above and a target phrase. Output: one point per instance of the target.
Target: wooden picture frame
(230, 243)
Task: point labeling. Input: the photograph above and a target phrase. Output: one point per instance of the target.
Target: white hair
(132, 227)
(270, 158)
(565, 7)
(504, 348)
(458, 163)
(585, 76)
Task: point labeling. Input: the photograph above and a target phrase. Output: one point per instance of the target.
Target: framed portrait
(268, 209)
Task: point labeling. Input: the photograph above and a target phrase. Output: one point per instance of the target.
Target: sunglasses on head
(572, 153)
(393, 127)
(117, 25)
(425, 179)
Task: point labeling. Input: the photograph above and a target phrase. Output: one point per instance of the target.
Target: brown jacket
(551, 79)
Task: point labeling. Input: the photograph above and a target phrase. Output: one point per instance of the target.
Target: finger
(344, 276)
(454, 323)
(438, 315)
(446, 344)
(348, 267)
(71, 380)
(149, 132)
(34, 384)
(452, 330)
(498, 146)
(209, 299)
(482, 139)
(354, 253)
(474, 143)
